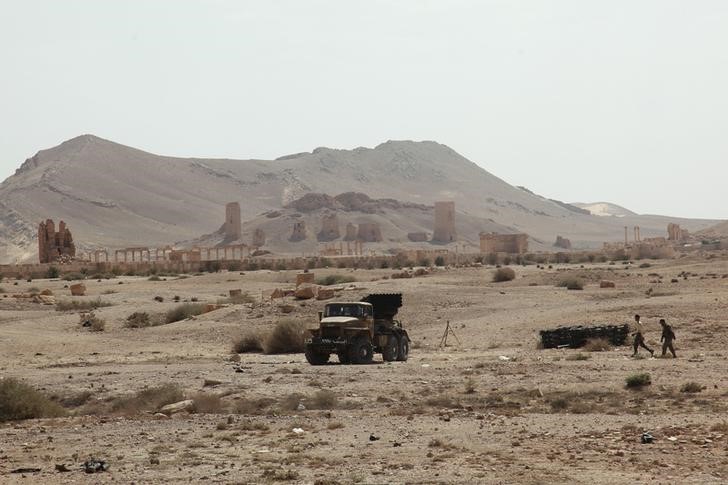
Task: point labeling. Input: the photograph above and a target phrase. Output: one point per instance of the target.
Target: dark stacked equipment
(576, 337)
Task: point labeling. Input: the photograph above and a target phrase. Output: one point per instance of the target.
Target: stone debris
(79, 289)
(607, 284)
(62, 467)
(306, 291)
(177, 407)
(95, 466)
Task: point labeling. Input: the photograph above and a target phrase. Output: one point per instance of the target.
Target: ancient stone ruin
(53, 245)
(369, 232)
(675, 233)
(258, 238)
(329, 228)
(562, 242)
(232, 221)
(444, 222)
(417, 236)
(351, 232)
(503, 243)
(299, 231)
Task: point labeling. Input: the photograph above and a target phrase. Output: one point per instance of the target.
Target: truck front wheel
(360, 351)
(403, 353)
(316, 358)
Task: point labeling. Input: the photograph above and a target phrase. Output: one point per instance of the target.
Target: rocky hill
(112, 195)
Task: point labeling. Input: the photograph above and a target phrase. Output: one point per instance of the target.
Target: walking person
(639, 338)
(668, 336)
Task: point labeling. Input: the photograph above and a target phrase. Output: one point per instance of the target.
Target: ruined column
(232, 221)
(444, 222)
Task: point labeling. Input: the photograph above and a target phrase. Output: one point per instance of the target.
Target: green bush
(439, 261)
(637, 381)
(334, 279)
(503, 274)
(20, 401)
(74, 276)
(52, 273)
(184, 311)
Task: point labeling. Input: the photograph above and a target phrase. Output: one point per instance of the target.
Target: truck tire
(360, 351)
(391, 349)
(316, 358)
(344, 357)
(403, 352)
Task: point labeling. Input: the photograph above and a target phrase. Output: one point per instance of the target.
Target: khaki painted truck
(356, 330)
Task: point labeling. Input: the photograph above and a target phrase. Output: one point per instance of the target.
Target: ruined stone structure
(258, 238)
(232, 221)
(350, 232)
(369, 232)
(53, 245)
(562, 242)
(675, 233)
(417, 236)
(299, 231)
(329, 228)
(355, 248)
(444, 222)
(503, 243)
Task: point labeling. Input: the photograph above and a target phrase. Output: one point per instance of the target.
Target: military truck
(355, 330)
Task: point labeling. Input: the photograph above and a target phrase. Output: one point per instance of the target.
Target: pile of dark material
(578, 336)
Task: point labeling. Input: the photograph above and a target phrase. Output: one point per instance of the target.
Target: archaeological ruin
(562, 242)
(299, 231)
(258, 238)
(444, 222)
(329, 228)
(54, 245)
(369, 232)
(351, 232)
(503, 243)
(417, 236)
(232, 221)
(676, 233)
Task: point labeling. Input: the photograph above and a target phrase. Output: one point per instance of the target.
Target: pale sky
(622, 101)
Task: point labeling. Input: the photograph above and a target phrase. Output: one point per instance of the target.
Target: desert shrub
(206, 403)
(102, 276)
(691, 387)
(237, 299)
(637, 381)
(285, 338)
(323, 399)
(559, 404)
(74, 276)
(571, 283)
(504, 274)
(439, 261)
(334, 279)
(154, 278)
(138, 320)
(424, 262)
(19, 400)
(578, 356)
(34, 290)
(248, 342)
(597, 345)
(97, 324)
(184, 311)
(52, 272)
(82, 305)
(645, 265)
(150, 399)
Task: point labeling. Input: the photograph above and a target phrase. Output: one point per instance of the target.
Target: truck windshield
(344, 311)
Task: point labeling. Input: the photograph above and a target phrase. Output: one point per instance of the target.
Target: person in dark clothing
(639, 339)
(668, 335)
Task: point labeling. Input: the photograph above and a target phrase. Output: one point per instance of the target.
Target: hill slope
(115, 196)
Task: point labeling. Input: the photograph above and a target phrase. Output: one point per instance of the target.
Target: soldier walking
(639, 338)
(668, 335)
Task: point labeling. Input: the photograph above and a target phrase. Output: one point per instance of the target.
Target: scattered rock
(62, 468)
(374, 438)
(95, 466)
(177, 407)
(79, 289)
(607, 284)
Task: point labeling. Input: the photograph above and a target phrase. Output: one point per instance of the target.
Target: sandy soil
(493, 409)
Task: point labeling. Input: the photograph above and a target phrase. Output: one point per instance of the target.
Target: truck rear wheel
(391, 349)
(403, 353)
(360, 351)
(344, 357)
(316, 358)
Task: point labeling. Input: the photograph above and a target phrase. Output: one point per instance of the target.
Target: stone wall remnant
(676, 233)
(329, 228)
(503, 243)
(299, 231)
(444, 222)
(54, 245)
(258, 238)
(562, 242)
(232, 221)
(369, 232)
(350, 232)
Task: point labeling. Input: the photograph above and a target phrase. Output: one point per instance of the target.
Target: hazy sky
(625, 101)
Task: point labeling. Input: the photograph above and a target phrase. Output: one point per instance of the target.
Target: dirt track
(494, 409)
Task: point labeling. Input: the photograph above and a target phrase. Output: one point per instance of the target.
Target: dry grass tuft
(287, 337)
(184, 311)
(207, 403)
(83, 305)
(598, 345)
(691, 388)
(248, 342)
(504, 274)
(150, 399)
(20, 401)
(335, 279)
(578, 356)
(638, 381)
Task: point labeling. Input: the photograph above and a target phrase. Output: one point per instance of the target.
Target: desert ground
(491, 408)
